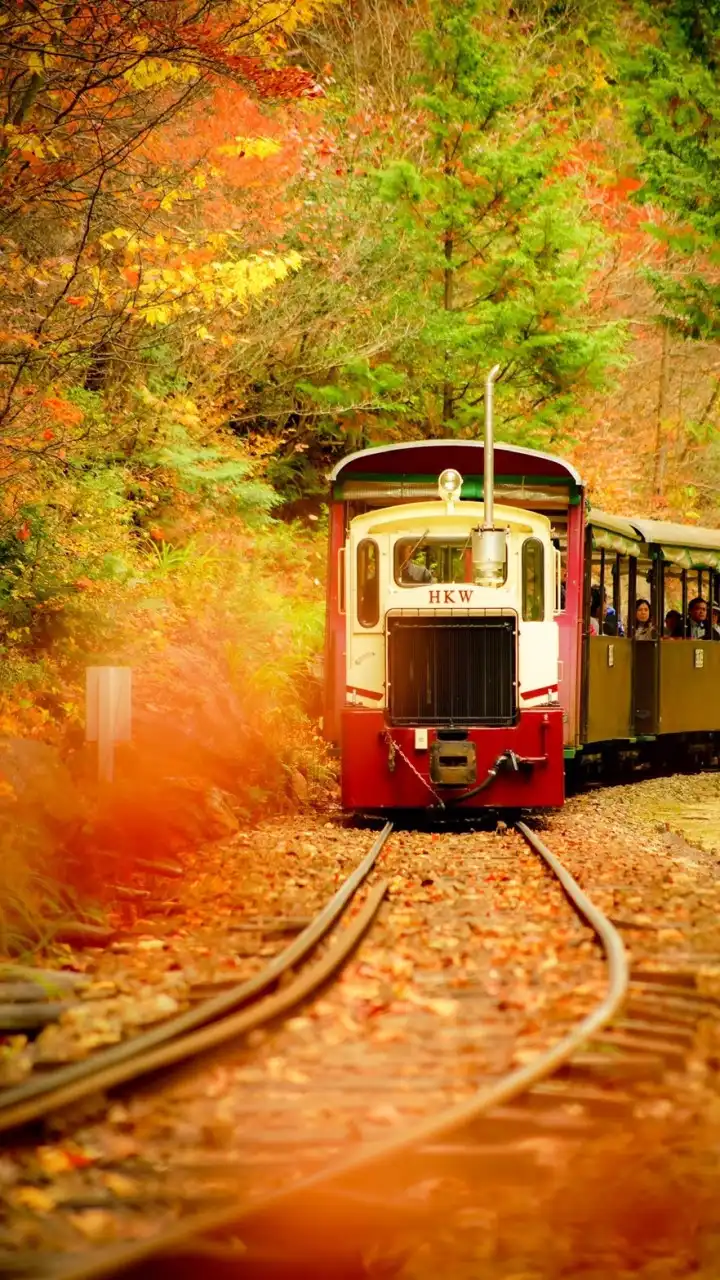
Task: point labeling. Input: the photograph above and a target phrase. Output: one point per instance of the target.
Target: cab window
(368, 583)
(423, 560)
(533, 580)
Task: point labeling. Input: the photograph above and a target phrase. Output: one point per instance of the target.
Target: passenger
(612, 621)
(698, 627)
(673, 625)
(597, 615)
(610, 624)
(643, 628)
(716, 622)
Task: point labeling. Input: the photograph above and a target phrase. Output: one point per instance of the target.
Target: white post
(489, 452)
(108, 702)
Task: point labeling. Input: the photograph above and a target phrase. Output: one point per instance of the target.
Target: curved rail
(120, 1258)
(211, 1022)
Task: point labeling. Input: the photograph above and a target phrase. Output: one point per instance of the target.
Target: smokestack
(489, 545)
(489, 451)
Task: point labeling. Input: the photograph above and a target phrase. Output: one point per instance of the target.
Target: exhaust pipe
(489, 452)
(489, 545)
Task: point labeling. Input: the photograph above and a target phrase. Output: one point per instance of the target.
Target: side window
(368, 583)
(533, 580)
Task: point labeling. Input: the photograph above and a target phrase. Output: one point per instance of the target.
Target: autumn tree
(131, 133)
(97, 259)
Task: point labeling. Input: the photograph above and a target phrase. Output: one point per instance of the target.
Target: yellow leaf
(169, 200)
(150, 72)
(279, 16)
(35, 1198)
(121, 1186)
(156, 315)
(250, 148)
(30, 144)
(53, 1160)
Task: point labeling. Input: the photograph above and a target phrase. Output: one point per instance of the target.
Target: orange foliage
(62, 411)
(204, 157)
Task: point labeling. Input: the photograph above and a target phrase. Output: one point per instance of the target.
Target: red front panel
(368, 783)
(334, 628)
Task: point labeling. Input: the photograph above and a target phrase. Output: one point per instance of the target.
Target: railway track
(295, 1180)
(210, 1023)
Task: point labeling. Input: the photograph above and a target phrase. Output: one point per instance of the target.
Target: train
(465, 666)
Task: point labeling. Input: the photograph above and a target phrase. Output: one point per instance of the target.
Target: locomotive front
(451, 658)
(451, 653)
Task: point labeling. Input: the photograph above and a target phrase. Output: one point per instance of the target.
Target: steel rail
(190, 1033)
(119, 1258)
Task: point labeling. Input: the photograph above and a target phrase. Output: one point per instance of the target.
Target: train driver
(411, 570)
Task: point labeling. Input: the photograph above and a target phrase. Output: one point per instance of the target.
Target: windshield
(427, 559)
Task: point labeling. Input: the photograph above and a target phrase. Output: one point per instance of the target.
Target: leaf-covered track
(212, 1022)
(338, 1190)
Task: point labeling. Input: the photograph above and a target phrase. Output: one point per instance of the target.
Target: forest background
(238, 240)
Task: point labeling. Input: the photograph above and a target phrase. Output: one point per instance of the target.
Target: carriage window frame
(533, 612)
(558, 571)
(367, 601)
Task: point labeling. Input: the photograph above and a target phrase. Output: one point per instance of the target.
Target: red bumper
(368, 783)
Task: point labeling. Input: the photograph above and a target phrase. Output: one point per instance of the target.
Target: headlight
(449, 484)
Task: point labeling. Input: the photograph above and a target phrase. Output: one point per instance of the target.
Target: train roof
(613, 524)
(662, 533)
(684, 545)
(430, 457)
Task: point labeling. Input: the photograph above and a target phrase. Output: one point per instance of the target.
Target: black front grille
(452, 671)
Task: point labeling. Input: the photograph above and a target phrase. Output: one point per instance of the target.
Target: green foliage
(674, 107)
(208, 472)
(497, 255)
(698, 21)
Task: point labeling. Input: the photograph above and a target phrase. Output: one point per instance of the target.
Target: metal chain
(396, 748)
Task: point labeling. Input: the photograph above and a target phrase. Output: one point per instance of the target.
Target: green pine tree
(498, 256)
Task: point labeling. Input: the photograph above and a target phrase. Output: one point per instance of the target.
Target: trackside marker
(108, 701)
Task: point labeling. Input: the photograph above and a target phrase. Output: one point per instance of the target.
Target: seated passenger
(698, 627)
(674, 629)
(643, 628)
(715, 622)
(607, 625)
(613, 624)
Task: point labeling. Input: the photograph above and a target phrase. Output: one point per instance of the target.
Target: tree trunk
(448, 295)
(658, 481)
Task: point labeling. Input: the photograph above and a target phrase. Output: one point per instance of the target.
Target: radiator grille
(452, 671)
